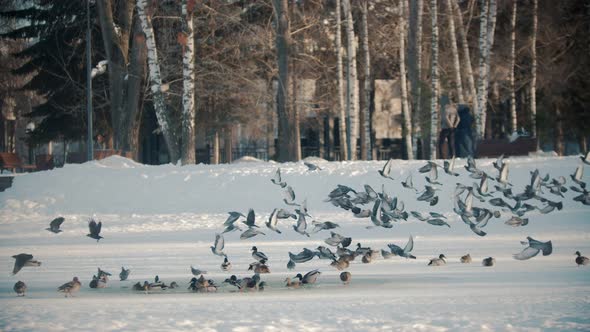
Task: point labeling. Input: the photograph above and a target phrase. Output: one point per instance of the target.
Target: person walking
(449, 123)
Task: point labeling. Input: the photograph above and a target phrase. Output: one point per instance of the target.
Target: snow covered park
(161, 220)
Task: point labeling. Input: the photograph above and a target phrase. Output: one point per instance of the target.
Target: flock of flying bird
(380, 208)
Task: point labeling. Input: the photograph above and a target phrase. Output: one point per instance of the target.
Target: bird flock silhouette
(382, 210)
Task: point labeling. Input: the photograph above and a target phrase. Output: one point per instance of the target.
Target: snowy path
(175, 228)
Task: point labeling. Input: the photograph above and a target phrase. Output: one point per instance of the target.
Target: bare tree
(366, 132)
(466, 55)
(481, 85)
(404, 91)
(160, 107)
(340, 78)
(513, 117)
(288, 144)
(415, 66)
(533, 92)
(454, 51)
(434, 78)
(126, 62)
(187, 153)
(351, 81)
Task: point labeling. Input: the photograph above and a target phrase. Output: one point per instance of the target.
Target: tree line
(515, 63)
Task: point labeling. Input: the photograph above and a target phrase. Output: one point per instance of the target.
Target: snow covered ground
(159, 220)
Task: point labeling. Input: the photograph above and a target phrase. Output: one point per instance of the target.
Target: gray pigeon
(277, 179)
(311, 167)
(251, 219)
(396, 250)
(533, 248)
(94, 230)
(55, 224)
(302, 257)
(386, 170)
(250, 232)
(124, 273)
(516, 221)
(20, 288)
(217, 248)
(301, 225)
(326, 225)
(272, 221)
(232, 218)
(22, 260)
(289, 196)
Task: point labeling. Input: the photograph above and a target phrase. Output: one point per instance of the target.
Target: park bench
(11, 161)
(492, 148)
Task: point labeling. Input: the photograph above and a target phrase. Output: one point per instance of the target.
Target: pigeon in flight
(277, 179)
(405, 252)
(94, 230)
(311, 167)
(217, 248)
(533, 248)
(251, 219)
(55, 224)
(301, 225)
(386, 170)
(250, 232)
(449, 166)
(272, 221)
(22, 260)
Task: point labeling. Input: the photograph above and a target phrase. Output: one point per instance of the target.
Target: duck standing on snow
(466, 259)
(70, 287)
(20, 288)
(258, 255)
(581, 260)
(490, 261)
(309, 278)
(438, 261)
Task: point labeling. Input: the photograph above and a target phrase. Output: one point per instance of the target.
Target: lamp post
(89, 147)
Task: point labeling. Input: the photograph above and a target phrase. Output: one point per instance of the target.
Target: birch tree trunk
(402, 65)
(455, 52)
(366, 133)
(466, 56)
(351, 81)
(513, 117)
(162, 114)
(534, 72)
(341, 109)
(187, 150)
(481, 87)
(490, 44)
(434, 77)
(415, 68)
